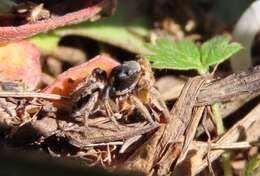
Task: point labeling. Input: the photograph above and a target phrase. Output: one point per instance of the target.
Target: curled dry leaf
(68, 80)
(89, 10)
(20, 62)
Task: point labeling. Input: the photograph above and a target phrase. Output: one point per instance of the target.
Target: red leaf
(20, 61)
(11, 33)
(70, 78)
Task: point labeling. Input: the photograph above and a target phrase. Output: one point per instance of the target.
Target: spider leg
(86, 95)
(108, 108)
(157, 97)
(87, 108)
(110, 113)
(96, 80)
(141, 108)
(85, 90)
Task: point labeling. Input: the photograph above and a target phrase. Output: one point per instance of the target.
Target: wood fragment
(111, 136)
(190, 134)
(181, 118)
(233, 135)
(163, 146)
(245, 82)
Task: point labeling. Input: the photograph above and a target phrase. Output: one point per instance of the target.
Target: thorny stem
(220, 130)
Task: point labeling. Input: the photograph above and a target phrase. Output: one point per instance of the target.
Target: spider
(128, 88)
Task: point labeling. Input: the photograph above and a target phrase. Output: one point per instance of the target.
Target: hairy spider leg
(89, 107)
(96, 80)
(109, 110)
(157, 97)
(141, 108)
(91, 86)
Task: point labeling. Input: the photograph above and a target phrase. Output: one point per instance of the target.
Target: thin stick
(32, 95)
(231, 146)
(209, 141)
(104, 144)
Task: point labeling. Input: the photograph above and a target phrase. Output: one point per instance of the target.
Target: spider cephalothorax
(129, 88)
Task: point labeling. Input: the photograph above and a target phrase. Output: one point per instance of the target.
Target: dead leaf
(70, 78)
(20, 62)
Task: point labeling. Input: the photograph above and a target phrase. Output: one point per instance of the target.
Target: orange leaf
(69, 79)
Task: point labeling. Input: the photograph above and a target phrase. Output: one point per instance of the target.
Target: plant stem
(218, 119)
(226, 164)
(220, 130)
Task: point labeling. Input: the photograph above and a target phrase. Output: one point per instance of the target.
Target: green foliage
(45, 41)
(185, 55)
(126, 29)
(217, 50)
(252, 166)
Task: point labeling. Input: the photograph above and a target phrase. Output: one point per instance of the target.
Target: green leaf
(217, 50)
(251, 166)
(45, 41)
(180, 55)
(126, 29)
(185, 55)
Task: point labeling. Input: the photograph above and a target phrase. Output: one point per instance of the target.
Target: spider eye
(124, 77)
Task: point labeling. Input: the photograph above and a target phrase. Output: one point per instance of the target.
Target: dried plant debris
(106, 118)
(124, 125)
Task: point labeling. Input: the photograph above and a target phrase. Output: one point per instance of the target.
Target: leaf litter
(128, 140)
(100, 141)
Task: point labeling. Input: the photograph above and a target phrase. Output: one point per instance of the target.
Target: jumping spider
(129, 88)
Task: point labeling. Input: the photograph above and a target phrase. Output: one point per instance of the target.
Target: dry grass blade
(230, 146)
(232, 135)
(225, 146)
(191, 130)
(32, 95)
